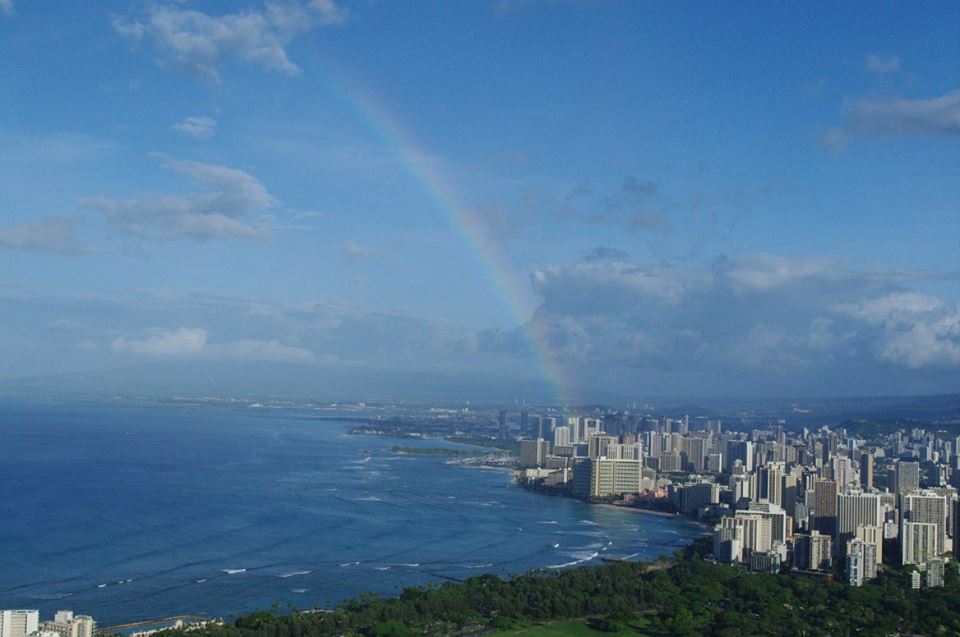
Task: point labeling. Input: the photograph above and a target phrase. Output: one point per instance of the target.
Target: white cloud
(896, 117)
(194, 342)
(164, 342)
(922, 339)
(758, 314)
(6, 7)
(53, 234)
(877, 310)
(198, 43)
(229, 195)
(880, 64)
(353, 251)
(196, 127)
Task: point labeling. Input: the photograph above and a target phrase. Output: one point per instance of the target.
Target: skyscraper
(855, 510)
(770, 483)
(956, 525)
(825, 506)
(918, 542)
(928, 508)
(906, 477)
(866, 470)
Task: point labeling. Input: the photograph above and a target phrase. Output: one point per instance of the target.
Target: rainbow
(388, 131)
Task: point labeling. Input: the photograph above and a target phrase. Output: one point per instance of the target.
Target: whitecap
(233, 571)
(585, 558)
(294, 573)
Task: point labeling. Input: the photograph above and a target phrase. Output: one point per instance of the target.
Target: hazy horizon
(577, 201)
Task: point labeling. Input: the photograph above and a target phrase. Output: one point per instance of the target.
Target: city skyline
(600, 199)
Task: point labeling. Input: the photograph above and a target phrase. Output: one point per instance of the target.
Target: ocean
(129, 511)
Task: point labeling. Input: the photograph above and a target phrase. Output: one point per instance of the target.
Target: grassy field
(572, 628)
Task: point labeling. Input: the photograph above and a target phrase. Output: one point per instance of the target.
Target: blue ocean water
(141, 511)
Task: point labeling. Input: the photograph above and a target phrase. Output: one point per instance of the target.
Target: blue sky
(681, 198)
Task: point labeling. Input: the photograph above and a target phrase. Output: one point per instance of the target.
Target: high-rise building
(842, 472)
(755, 533)
(599, 477)
(694, 496)
(926, 507)
(780, 528)
(866, 470)
(18, 623)
(770, 483)
(694, 450)
(825, 506)
(670, 462)
(66, 624)
(533, 453)
(918, 542)
(956, 525)
(934, 572)
(813, 551)
(856, 510)
(504, 429)
(597, 445)
(872, 535)
(905, 477)
(861, 562)
(741, 450)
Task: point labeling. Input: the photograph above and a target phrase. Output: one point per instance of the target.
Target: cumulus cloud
(198, 43)
(880, 64)
(353, 251)
(196, 127)
(228, 196)
(53, 234)
(164, 342)
(896, 117)
(922, 339)
(759, 314)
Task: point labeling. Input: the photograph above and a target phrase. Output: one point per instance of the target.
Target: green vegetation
(435, 451)
(577, 628)
(685, 598)
(480, 441)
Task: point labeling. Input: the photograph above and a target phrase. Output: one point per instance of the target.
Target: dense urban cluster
(821, 503)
